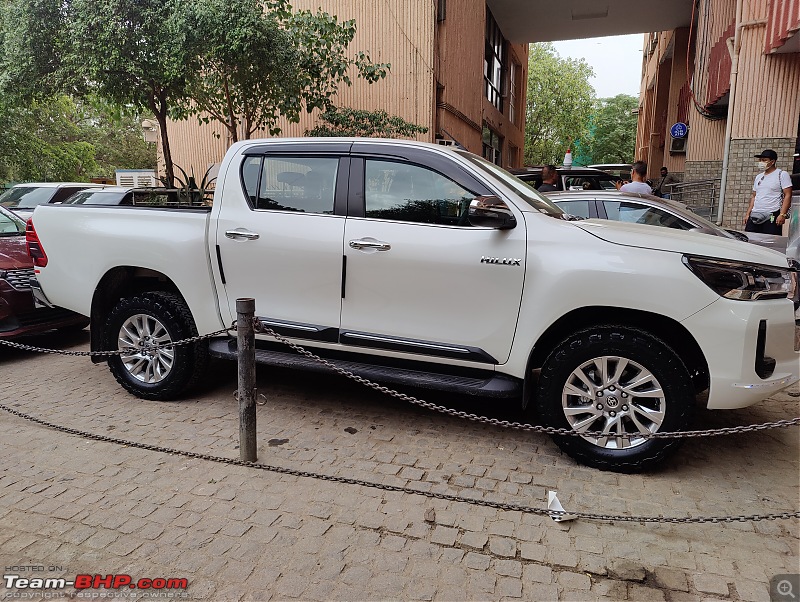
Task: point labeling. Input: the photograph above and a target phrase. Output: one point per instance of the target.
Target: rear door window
(286, 183)
(63, 193)
(581, 208)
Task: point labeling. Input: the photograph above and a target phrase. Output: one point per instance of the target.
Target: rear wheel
(615, 381)
(146, 320)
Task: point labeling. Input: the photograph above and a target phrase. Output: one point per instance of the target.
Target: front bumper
(728, 334)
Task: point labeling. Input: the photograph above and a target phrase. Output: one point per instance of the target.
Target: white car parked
(422, 265)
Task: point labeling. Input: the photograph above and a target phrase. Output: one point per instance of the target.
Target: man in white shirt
(638, 177)
(771, 198)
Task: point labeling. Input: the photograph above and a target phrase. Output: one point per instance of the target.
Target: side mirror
(491, 212)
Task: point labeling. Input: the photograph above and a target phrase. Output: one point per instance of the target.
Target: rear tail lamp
(35, 248)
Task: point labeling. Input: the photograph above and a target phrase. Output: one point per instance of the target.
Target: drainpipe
(734, 46)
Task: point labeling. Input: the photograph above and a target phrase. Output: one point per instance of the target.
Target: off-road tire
(637, 346)
(189, 361)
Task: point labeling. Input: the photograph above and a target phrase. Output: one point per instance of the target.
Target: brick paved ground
(244, 534)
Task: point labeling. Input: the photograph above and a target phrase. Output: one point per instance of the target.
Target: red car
(18, 312)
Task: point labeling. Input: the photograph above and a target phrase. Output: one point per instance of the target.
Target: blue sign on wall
(679, 130)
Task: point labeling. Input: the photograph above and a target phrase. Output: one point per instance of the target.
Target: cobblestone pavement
(82, 506)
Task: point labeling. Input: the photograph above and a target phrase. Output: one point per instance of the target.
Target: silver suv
(22, 199)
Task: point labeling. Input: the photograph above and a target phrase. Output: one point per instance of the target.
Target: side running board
(491, 385)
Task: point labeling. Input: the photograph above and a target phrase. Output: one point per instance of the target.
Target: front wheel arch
(611, 378)
(672, 332)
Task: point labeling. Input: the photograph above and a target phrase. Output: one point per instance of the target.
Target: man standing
(771, 198)
(661, 187)
(638, 177)
(549, 179)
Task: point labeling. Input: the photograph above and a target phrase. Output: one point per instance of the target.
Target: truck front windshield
(524, 191)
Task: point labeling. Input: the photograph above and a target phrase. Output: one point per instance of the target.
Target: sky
(616, 60)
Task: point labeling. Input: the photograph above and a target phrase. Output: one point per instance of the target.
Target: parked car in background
(570, 178)
(652, 210)
(24, 198)
(655, 211)
(148, 197)
(623, 170)
(18, 313)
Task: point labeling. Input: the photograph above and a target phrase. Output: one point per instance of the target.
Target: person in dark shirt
(663, 187)
(549, 179)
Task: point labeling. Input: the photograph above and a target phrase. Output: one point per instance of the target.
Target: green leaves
(59, 139)
(613, 138)
(352, 122)
(256, 61)
(559, 103)
(242, 63)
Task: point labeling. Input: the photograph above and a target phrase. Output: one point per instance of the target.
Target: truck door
(281, 243)
(420, 279)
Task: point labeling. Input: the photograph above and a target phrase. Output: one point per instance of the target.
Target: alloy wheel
(614, 396)
(147, 364)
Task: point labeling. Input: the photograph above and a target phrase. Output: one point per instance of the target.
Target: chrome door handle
(241, 233)
(370, 243)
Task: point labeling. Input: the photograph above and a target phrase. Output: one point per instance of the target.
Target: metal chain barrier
(548, 430)
(260, 327)
(410, 490)
(122, 351)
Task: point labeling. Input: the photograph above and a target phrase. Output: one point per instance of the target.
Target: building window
(515, 75)
(494, 62)
(513, 154)
(492, 145)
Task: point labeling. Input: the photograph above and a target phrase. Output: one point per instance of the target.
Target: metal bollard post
(246, 342)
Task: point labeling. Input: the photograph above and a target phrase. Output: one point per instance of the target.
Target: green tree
(59, 139)
(343, 121)
(116, 134)
(42, 141)
(256, 60)
(136, 53)
(34, 49)
(559, 103)
(243, 60)
(613, 138)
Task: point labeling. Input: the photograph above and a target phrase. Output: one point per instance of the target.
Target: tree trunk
(158, 104)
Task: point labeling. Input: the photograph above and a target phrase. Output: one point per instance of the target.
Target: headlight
(742, 281)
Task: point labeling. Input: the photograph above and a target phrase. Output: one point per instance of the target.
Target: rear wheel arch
(670, 331)
(116, 284)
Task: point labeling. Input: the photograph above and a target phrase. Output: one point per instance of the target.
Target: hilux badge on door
(503, 261)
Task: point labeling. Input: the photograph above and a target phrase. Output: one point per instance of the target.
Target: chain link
(121, 351)
(260, 327)
(532, 428)
(405, 489)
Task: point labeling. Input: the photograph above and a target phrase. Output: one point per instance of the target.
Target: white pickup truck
(425, 266)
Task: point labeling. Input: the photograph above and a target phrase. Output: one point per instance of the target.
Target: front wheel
(621, 383)
(145, 320)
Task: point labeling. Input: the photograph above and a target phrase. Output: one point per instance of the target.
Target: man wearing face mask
(772, 197)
